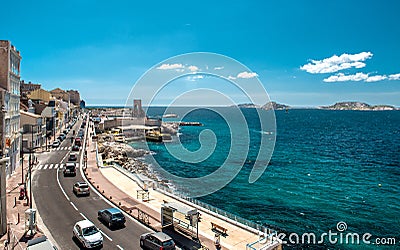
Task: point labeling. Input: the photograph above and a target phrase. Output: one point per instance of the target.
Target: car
(112, 217)
(78, 141)
(72, 157)
(61, 137)
(158, 240)
(87, 234)
(81, 188)
(66, 131)
(41, 243)
(75, 148)
(55, 144)
(70, 169)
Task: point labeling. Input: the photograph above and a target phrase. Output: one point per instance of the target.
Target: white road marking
(105, 235)
(120, 247)
(39, 167)
(56, 166)
(83, 216)
(108, 237)
(61, 165)
(51, 166)
(59, 184)
(72, 204)
(45, 166)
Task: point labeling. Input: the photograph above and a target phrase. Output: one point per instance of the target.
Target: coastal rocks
(125, 156)
(169, 128)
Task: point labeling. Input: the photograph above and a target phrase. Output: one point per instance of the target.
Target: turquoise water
(327, 166)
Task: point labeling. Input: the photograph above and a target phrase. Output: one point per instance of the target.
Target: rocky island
(267, 106)
(358, 106)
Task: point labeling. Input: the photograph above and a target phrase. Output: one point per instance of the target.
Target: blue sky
(102, 48)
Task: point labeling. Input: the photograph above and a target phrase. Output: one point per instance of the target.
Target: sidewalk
(106, 180)
(16, 211)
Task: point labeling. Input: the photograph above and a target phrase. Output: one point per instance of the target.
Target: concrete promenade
(122, 189)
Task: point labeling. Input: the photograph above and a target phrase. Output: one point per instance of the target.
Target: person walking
(217, 241)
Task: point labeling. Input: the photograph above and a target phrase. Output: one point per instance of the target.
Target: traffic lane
(127, 237)
(58, 214)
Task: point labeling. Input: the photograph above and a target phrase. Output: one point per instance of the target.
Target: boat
(170, 116)
(120, 138)
(156, 136)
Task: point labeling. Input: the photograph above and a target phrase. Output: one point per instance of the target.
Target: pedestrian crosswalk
(60, 148)
(51, 166)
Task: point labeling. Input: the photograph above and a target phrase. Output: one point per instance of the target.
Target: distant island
(267, 106)
(358, 106)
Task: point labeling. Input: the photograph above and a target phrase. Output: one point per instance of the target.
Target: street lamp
(30, 165)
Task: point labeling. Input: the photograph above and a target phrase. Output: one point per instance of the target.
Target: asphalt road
(60, 209)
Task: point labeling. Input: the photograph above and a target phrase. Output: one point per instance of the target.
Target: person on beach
(217, 241)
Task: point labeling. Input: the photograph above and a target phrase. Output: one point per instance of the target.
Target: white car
(88, 234)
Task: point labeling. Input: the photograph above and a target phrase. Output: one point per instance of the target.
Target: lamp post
(30, 165)
(22, 158)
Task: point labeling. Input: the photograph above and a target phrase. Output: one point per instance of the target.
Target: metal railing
(235, 219)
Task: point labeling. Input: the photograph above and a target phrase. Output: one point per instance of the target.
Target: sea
(330, 171)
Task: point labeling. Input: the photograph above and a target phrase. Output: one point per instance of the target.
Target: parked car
(158, 240)
(75, 148)
(81, 188)
(72, 157)
(87, 234)
(70, 169)
(55, 144)
(112, 217)
(41, 243)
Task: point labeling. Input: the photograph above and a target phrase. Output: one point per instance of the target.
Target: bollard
(119, 203)
(110, 197)
(15, 201)
(103, 191)
(18, 219)
(97, 186)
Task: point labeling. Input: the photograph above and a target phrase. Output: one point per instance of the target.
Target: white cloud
(194, 78)
(376, 78)
(337, 63)
(394, 77)
(344, 78)
(193, 68)
(246, 75)
(167, 66)
(361, 77)
(218, 68)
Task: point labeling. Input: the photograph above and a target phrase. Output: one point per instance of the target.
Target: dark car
(70, 169)
(75, 148)
(72, 157)
(158, 240)
(112, 217)
(78, 141)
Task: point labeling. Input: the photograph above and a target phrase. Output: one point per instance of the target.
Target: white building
(10, 59)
